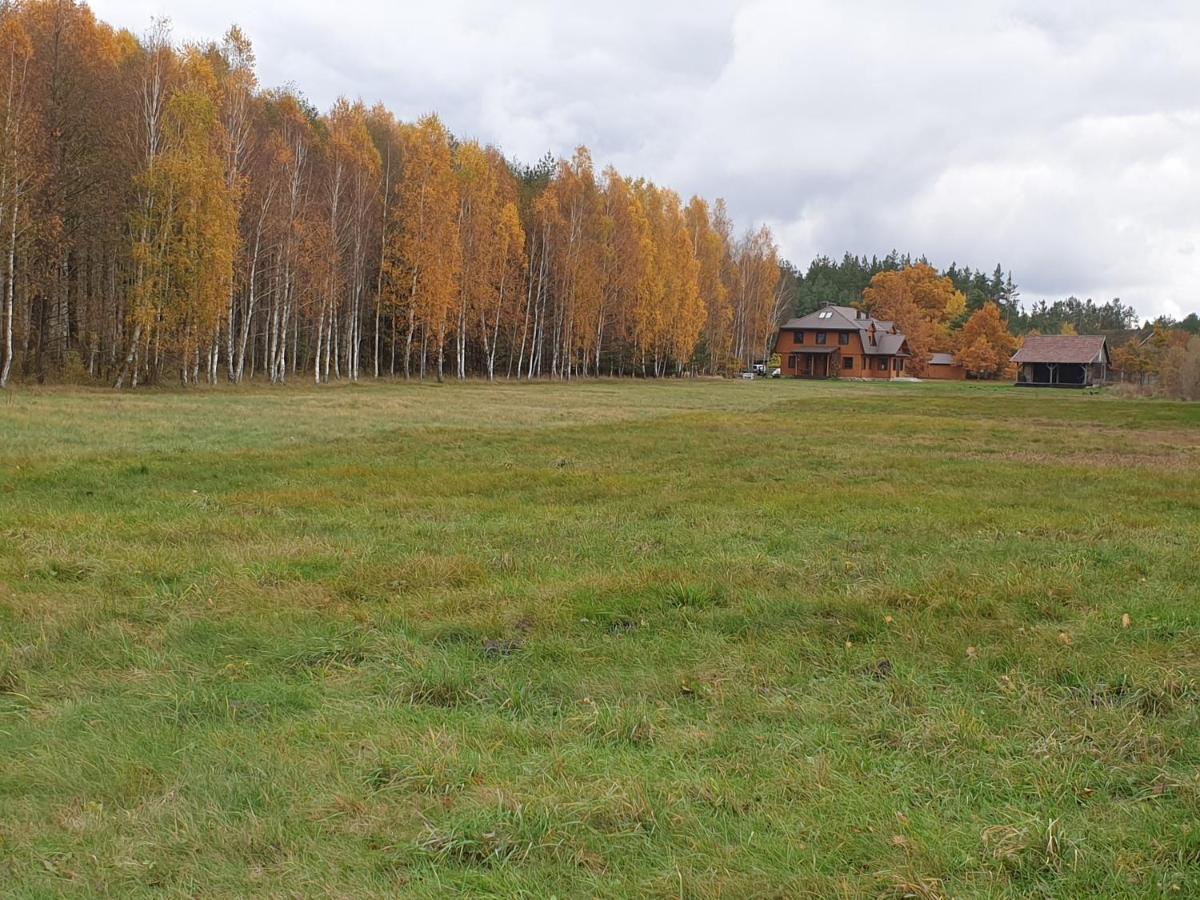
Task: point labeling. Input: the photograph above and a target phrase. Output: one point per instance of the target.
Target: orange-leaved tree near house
(985, 346)
(921, 303)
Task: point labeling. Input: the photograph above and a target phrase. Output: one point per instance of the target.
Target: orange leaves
(572, 216)
(921, 303)
(187, 213)
(187, 236)
(670, 313)
(712, 247)
(492, 241)
(427, 246)
(985, 344)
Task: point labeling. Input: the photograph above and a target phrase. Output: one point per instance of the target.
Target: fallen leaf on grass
(1126, 620)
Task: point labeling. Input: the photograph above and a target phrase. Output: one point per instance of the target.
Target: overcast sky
(1059, 139)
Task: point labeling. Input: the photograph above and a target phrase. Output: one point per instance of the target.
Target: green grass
(601, 639)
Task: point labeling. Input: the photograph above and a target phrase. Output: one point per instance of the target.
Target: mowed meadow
(677, 639)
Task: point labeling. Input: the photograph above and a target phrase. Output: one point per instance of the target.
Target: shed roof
(1063, 348)
(941, 359)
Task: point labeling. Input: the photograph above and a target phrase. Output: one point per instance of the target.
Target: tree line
(845, 281)
(163, 217)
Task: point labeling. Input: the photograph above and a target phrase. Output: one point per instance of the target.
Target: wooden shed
(1063, 360)
(942, 367)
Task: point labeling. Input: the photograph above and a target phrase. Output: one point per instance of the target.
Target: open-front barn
(1063, 360)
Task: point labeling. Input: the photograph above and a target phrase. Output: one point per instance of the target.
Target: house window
(896, 365)
(799, 337)
(866, 364)
(901, 369)
(883, 365)
(843, 338)
(848, 362)
(820, 337)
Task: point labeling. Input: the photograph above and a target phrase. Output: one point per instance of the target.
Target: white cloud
(1062, 140)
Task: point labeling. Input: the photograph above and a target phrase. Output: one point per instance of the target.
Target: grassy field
(605, 639)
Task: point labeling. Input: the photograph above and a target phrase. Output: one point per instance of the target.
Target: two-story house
(839, 341)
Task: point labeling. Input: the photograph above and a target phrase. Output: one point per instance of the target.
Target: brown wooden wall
(945, 373)
(787, 345)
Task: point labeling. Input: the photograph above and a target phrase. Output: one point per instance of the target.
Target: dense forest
(163, 217)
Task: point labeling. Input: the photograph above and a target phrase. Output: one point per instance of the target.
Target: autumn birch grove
(166, 219)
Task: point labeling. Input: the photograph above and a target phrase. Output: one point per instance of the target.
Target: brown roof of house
(830, 318)
(816, 350)
(845, 318)
(1063, 348)
(941, 359)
